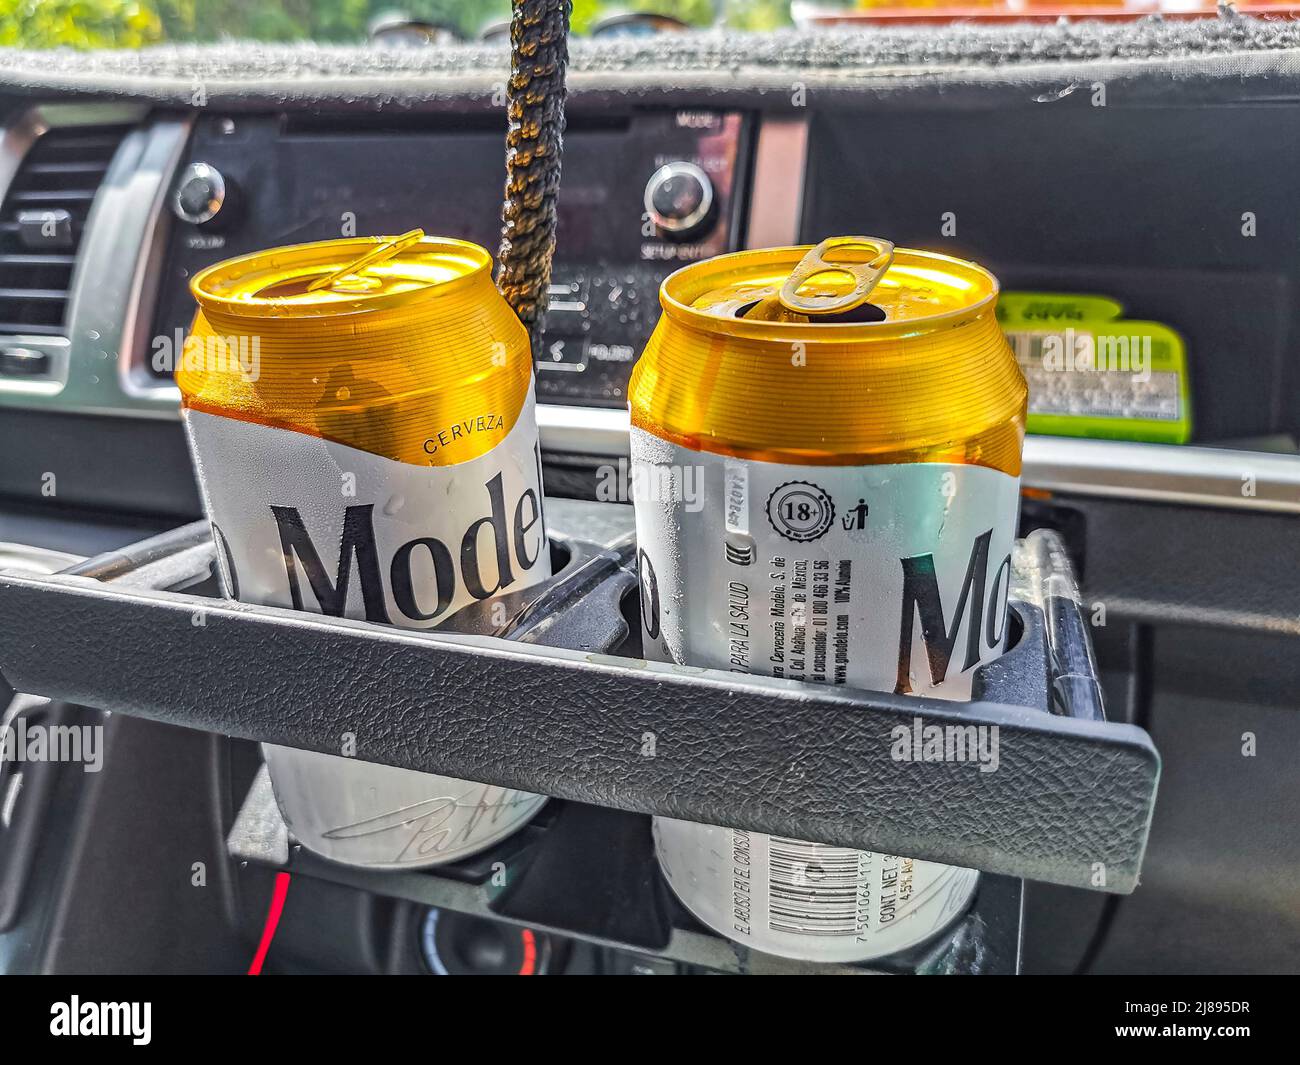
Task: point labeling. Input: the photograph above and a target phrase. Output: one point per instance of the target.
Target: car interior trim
(777, 193)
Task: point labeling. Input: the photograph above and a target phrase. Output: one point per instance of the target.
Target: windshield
(140, 23)
(87, 24)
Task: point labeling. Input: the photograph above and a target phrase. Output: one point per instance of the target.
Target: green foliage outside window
(139, 23)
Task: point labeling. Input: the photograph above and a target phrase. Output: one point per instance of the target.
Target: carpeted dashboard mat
(725, 67)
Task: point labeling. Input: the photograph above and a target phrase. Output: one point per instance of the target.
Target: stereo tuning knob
(201, 195)
(679, 200)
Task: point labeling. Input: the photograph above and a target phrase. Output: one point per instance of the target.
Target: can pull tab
(377, 254)
(865, 260)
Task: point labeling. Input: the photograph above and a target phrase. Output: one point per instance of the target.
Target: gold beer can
(362, 420)
(826, 448)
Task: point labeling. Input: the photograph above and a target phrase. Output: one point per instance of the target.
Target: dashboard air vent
(41, 222)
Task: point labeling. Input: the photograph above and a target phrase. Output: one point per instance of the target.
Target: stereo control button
(679, 199)
(201, 194)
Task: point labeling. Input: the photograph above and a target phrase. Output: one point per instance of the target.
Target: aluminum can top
(399, 346)
(852, 352)
(289, 282)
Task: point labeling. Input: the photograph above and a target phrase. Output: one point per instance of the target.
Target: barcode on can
(813, 889)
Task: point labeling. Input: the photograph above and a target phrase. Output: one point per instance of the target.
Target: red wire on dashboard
(272, 920)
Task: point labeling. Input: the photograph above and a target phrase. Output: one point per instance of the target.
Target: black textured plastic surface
(1070, 801)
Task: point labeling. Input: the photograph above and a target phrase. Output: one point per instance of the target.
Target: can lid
(338, 277)
(843, 288)
(882, 360)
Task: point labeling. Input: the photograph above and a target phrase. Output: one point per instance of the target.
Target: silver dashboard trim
(1164, 473)
(1114, 469)
(111, 308)
(168, 140)
(95, 366)
(596, 431)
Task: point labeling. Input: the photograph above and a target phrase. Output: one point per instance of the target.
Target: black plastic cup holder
(555, 708)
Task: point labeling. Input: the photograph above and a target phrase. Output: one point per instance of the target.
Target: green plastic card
(1093, 373)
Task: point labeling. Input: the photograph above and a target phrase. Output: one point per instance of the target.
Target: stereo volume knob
(679, 200)
(201, 194)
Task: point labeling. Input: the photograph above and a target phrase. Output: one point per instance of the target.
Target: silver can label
(311, 524)
(889, 577)
(315, 525)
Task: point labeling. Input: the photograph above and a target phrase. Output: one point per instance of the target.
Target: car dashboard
(1147, 168)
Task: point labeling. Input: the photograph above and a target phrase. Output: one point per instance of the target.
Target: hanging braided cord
(539, 51)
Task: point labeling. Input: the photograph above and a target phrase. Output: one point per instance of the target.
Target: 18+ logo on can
(800, 511)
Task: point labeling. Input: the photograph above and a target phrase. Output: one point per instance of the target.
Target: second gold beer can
(361, 418)
(826, 451)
